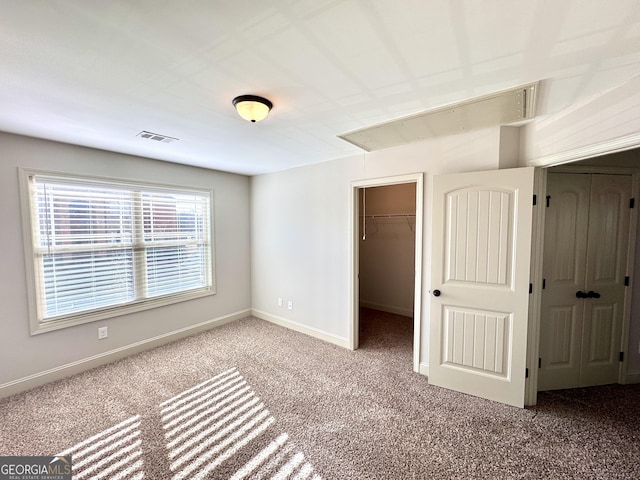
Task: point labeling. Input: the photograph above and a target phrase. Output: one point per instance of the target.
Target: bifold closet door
(607, 250)
(564, 266)
(586, 241)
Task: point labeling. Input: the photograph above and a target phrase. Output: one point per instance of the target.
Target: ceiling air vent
(157, 137)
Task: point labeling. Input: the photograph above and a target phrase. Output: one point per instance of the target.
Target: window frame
(31, 265)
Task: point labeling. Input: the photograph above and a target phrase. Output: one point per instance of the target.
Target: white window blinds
(100, 245)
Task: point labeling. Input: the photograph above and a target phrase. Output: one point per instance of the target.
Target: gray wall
(23, 357)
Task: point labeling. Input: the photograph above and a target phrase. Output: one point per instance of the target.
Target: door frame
(537, 256)
(418, 179)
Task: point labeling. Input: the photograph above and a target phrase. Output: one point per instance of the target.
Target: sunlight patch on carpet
(208, 424)
(202, 428)
(115, 453)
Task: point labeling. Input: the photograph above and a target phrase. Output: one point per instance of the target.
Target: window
(103, 248)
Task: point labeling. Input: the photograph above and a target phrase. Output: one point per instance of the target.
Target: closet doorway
(387, 248)
(585, 270)
(387, 258)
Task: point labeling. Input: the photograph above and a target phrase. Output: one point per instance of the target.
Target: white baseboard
(424, 369)
(632, 377)
(405, 312)
(47, 376)
(312, 332)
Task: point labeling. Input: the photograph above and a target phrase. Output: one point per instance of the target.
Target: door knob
(593, 294)
(581, 294)
(436, 293)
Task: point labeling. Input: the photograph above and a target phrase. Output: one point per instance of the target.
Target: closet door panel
(608, 240)
(565, 248)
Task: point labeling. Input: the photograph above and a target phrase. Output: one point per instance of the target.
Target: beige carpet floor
(254, 400)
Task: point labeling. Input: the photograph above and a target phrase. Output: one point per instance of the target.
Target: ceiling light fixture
(252, 107)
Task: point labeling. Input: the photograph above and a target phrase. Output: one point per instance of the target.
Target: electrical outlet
(279, 301)
(103, 333)
(290, 305)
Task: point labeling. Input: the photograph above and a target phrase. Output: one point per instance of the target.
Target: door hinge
(626, 281)
(548, 200)
(539, 362)
(544, 283)
(632, 203)
(535, 200)
(531, 288)
(622, 356)
(526, 373)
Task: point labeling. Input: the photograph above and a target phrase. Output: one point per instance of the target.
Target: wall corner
(509, 147)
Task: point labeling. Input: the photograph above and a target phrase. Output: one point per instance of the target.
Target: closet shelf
(377, 219)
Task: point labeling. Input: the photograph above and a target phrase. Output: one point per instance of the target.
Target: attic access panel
(500, 108)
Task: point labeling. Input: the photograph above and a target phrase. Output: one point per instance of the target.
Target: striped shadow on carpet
(204, 426)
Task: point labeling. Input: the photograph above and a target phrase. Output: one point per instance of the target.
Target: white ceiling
(97, 73)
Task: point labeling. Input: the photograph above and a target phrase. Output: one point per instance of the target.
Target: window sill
(38, 327)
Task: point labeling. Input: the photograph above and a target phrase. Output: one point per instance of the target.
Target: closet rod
(389, 215)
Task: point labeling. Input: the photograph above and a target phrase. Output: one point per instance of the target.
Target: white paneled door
(584, 269)
(480, 283)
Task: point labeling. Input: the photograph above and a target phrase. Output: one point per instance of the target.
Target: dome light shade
(252, 107)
